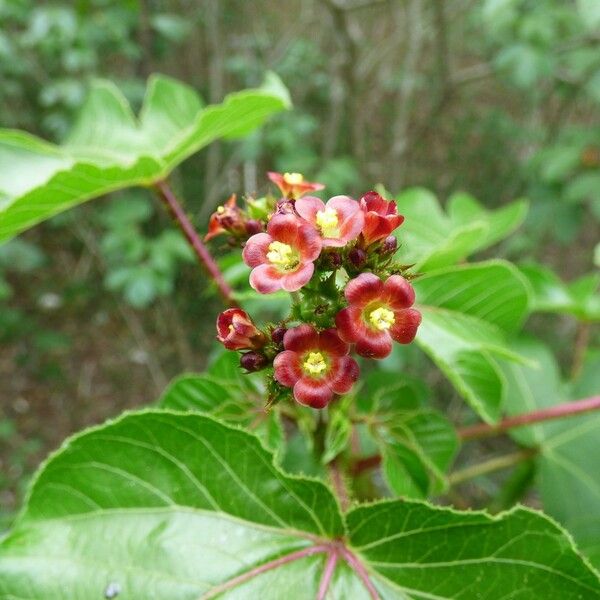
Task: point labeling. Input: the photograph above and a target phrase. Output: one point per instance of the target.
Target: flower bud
(253, 361)
(358, 257)
(277, 334)
(236, 331)
(253, 226)
(389, 245)
(226, 219)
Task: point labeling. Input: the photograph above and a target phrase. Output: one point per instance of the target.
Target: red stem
(560, 411)
(205, 258)
(482, 430)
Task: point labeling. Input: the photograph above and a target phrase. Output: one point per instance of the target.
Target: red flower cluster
(308, 248)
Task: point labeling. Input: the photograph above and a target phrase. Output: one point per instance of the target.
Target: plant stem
(582, 338)
(560, 411)
(489, 466)
(204, 257)
(339, 485)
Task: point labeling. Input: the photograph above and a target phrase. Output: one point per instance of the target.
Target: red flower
(236, 331)
(226, 219)
(378, 313)
(283, 257)
(293, 185)
(338, 221)
(316, 365)
(381, 217)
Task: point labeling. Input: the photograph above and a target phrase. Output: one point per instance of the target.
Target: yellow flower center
(327, 221)
(282, 255)
(315, 363)
(220, 210)
(382, 318)
(293, 178)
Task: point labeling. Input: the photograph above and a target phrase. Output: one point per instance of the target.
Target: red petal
(375, 344)
(376, 227)
(330, 342)
(308, 242)
(400, 293)
(372, 201)
(293, 281)
(405, 327)
(266, 279)
(284, 228)
(308, 207)
(312, 392)
(364, 288)
(344, 372)
(301, 339)
(287, 368)
(256, 248)
(349, 324)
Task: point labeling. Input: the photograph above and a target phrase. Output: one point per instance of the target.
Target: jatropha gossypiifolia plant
(349, 295)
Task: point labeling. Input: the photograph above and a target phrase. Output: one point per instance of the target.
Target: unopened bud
(335, 260)
(389, 245)
(358, 257)
(253, 226)
(277, 334)
(253, 361)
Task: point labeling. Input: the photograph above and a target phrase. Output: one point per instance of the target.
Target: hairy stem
(339, 485)
(204, 256)
(489, 466)
(560, 411)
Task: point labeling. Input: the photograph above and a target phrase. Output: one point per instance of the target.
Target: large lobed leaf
(165, 505)
(467, 312)
(110, 149)
(568, 458)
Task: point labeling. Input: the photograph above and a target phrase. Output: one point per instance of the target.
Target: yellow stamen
(293, 178)
(282, 255)
(382, 318)
(327, 221)
(220, 209)
(315, 363)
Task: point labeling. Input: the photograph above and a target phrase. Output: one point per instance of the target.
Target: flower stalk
(204, 256)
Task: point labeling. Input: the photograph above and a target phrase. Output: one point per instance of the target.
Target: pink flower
(378, 313)
(293, 185)
(236, 331)
(338, 221)
(381, 217)
(283, 257)
(316, 365)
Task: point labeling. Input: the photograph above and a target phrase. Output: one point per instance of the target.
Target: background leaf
(109, 149)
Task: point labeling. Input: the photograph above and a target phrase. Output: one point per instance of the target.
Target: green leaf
(109, 149)
(417, 444)
(164, 505)
(578, 298)
(229, 395)
(440, 554)
(568, 460)
(465, 310)
(430, 238)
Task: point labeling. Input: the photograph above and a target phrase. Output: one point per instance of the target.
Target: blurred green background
(103, 305)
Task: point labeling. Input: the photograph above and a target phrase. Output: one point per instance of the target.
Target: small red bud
(253, 361)
(389, 245)
(335, 260)
(358, 257)
(253, 226)
(277, 334)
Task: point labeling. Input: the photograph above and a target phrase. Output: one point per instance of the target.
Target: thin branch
(492, 465)
(364, 464)
(582, 340)
(560, 411)
(204, 257)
